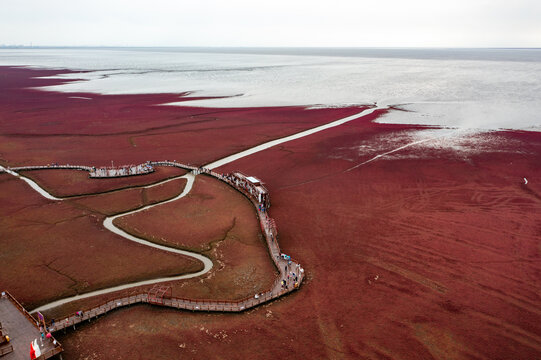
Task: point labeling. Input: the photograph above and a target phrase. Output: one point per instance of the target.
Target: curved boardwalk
(104, 172)
(45, 167)
(291, 273)
(108, 224)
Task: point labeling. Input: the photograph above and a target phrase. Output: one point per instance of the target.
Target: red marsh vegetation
(428, 252)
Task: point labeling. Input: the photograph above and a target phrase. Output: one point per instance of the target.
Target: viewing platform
(126, 170)
(94, 172)
(289, 279)
(18, 329)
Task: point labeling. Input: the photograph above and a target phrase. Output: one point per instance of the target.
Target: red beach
(411, 251)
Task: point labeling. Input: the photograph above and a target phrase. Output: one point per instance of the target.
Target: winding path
(32, 183)
(190, 177)
(108, 224)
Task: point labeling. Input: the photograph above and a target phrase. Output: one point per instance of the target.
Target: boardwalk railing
(6, 349)
(96, 173)
(21, 308)
(173, 163)
(290, 279)
(58, 347)
(122, 171)
(101, 309)
(54, 351)
(45, 167)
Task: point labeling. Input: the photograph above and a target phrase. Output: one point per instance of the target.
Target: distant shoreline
(439, 53)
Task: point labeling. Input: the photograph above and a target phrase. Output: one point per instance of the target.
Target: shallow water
(465, 88)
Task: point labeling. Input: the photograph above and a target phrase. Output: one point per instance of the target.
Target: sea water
(456, 88)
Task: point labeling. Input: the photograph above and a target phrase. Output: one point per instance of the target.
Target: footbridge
(291, 274)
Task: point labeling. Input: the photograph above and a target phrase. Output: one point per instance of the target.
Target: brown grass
(128, 199)
(52, 249)
(218, 221)
(242, 266)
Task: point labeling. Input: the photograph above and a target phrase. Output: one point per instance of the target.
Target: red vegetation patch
(129, 199)
(424, 253)
(151, 332)
(421, 254)
(220, 222)
(201, 218)
(40, 127)
(230, 238)
(163, 191)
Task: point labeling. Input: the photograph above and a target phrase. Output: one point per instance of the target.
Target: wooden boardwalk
(22, 329)
(95, 173)
(290, 278)
(45, 167)
(288, 268)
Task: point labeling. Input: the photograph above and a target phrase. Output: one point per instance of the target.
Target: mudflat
(412, 251)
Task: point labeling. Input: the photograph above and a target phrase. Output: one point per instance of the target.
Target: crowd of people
(122, 171)
(255, 190)
(202, 170)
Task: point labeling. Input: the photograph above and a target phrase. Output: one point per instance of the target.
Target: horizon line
(16, 46)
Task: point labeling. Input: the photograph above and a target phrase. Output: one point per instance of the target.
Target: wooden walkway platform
(290, 278)
(22, 329)
(95, 173)
(46, 167)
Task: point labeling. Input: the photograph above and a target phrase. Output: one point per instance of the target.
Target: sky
(296, 23)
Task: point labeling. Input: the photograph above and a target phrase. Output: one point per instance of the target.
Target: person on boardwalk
(269, 231)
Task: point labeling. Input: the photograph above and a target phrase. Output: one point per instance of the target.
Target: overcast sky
(355, 23)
